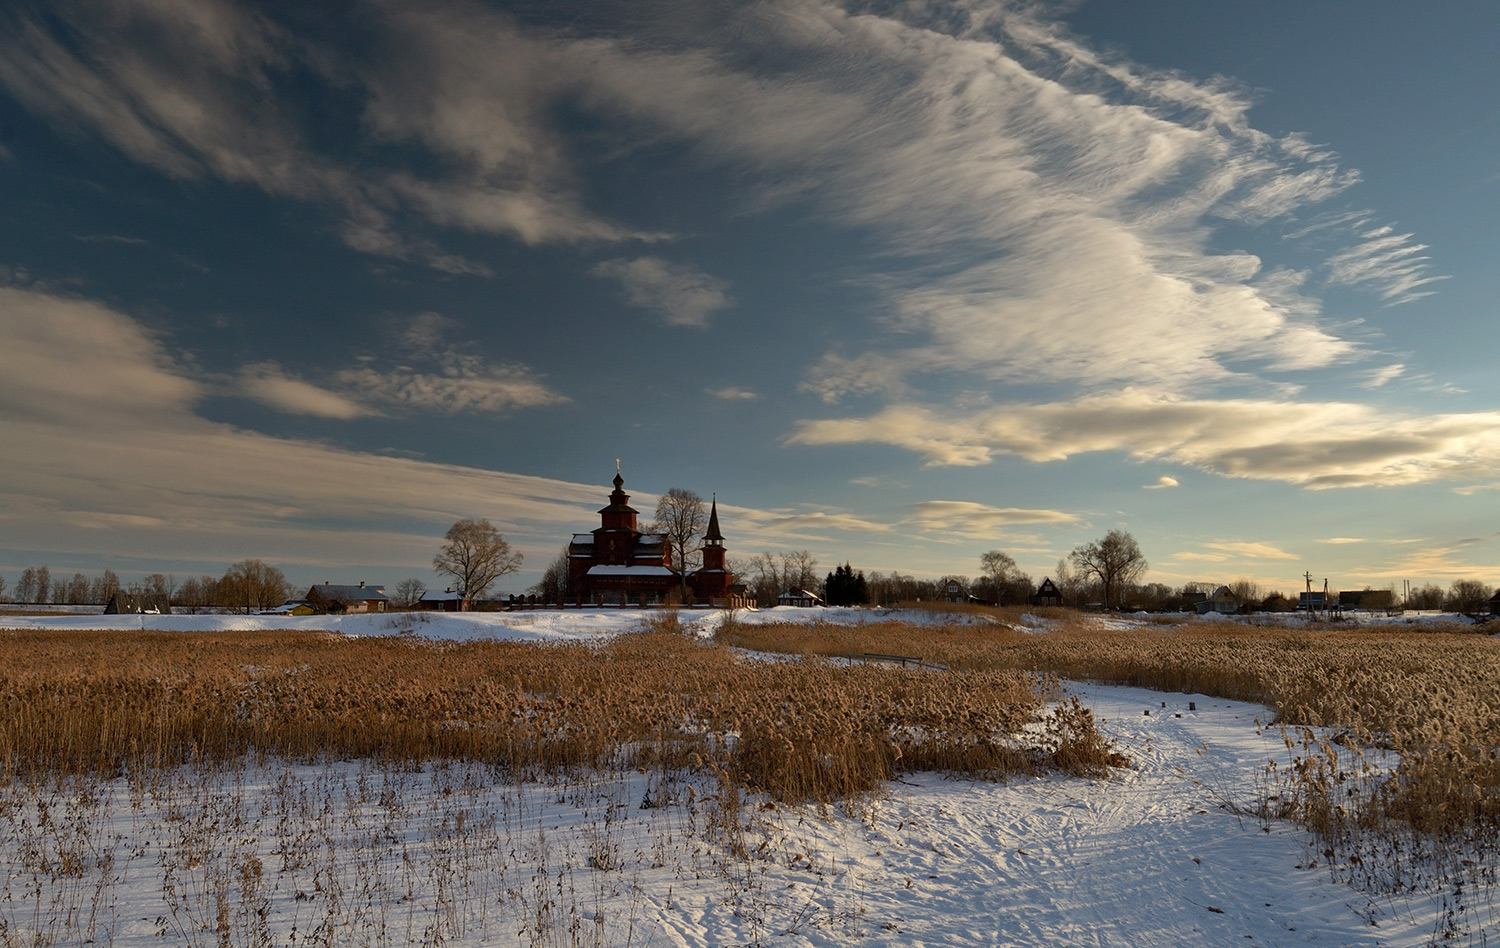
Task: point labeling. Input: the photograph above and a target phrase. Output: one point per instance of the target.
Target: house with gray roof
(331, 597)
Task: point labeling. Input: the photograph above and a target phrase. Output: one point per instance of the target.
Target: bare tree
(2, 588)
(1468, 596)
(681, 516)
(1001, 574)
(251, 585)
(475, 556)
(1429, 597)
(43, 591)
(77, 589)
(1071, 585)
(192, 594)
(409, 592)
(556, 579)
(26, 585)
(1245, 591)
(771, 574)
(160, 588)
(1116, 560)
(104, 587)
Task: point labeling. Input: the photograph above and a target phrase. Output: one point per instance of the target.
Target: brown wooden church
(617, 563)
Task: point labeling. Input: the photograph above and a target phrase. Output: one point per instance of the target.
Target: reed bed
(116, 702)
(1392, 733)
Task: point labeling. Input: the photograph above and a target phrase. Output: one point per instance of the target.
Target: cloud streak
(971, 520)
(679, 294)
(1314, 444)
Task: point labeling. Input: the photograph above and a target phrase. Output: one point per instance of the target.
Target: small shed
(1495, 604)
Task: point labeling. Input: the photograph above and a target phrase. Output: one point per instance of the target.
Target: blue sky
(901, 283)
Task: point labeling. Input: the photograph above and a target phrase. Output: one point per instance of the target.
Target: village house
(1220, 601)
(330, 597)
(955, 591)
(797, 596)
(445, 600)
(1047, 594)
(1367, 599)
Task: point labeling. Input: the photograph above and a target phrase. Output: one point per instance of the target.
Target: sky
(898, 283)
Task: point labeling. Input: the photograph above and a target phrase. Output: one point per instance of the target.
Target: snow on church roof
(630, 571)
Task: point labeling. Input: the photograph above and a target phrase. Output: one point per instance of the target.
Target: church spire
(713, 535)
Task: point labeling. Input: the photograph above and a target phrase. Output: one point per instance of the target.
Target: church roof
(713, 523)
(630, 571)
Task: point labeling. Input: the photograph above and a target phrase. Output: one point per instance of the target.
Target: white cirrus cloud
(1251, 550)
(974, 520)
(107, 455)
(733, 393)
(1163, 482)
(681, 295)
(1315, 444)
(466, 383)
(1039, 174)
(269, 383)
(441, 377)
(206, 89)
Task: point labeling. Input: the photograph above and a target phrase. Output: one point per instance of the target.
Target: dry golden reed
(109, 702)
(1431, 694)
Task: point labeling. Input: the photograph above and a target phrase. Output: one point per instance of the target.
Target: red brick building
(618, 563)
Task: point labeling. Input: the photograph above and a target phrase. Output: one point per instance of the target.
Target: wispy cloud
(1058, 187)
(436, 375)
(1316, 444)
(269, 383)
(202, 89)
(1389, 262)
(113, 441)
(681, 295)
(466, 384)
(1163, 482)
(1379, 378)
(1251, 550)
(975, 520)
(731, 393)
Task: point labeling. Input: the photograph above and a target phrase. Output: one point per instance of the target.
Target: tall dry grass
(113, 702)
(1392, 733)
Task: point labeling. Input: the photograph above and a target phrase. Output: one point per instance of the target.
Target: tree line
(249, 585)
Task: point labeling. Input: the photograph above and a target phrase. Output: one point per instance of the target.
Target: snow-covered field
(352, 853)
(543, 625)
(540, 625)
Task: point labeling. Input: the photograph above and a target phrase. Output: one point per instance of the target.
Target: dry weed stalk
(111, 702)
(1400, 782)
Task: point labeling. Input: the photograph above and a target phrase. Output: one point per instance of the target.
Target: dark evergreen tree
(844, 587)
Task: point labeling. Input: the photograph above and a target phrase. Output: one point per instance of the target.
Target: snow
(1155, 855)
(524, 625)
(630, 571)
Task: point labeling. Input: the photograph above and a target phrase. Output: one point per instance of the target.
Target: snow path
(1152, 856)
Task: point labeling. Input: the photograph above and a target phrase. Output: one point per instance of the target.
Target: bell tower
(713, 540)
